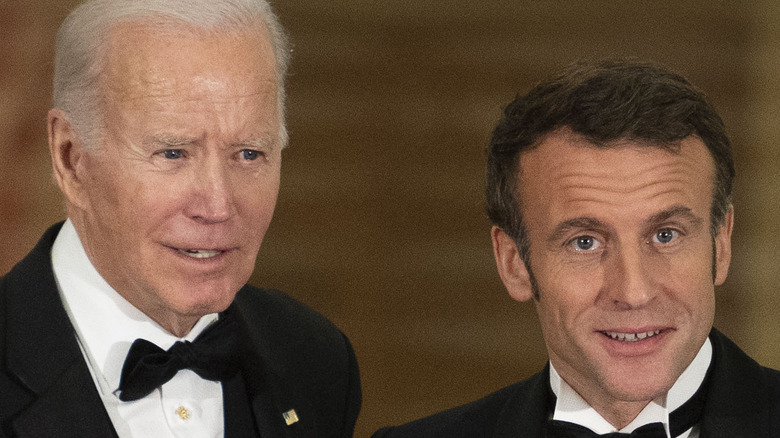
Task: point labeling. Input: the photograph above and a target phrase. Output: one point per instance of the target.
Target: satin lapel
(738, 403)
(271, 395)
(526, 409)
(66, 409)
(42, 354)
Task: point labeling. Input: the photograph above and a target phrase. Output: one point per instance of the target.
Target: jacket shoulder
(308, 353)
(286, 320)
(743, 398)
(473, 420)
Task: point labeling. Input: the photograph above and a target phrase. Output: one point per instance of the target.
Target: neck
(178, 327)
(175, 323)
(619, 413)
(578, 399)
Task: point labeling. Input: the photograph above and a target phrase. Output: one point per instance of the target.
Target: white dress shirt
(106, 325)
(574, 409)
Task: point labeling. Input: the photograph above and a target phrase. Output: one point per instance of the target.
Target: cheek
(564, 296)
(569, 299)
(114, 201)
(257, 208)
(257, 195)
(690, 270)
(695, 292)
(148, 205)
(572, 286)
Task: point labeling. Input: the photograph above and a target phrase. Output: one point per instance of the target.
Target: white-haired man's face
(173, 206)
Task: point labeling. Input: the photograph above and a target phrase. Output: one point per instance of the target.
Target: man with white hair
(133, 318)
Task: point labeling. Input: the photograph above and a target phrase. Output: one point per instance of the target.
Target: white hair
(82, 39)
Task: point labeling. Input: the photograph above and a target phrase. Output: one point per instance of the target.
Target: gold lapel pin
(290, 417)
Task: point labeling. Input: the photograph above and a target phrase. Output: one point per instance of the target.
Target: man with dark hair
(609, 188)
(133, 318)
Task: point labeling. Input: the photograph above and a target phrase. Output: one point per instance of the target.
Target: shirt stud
(183, 413)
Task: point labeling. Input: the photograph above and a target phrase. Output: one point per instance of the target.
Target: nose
(630, 281)
(212, 199)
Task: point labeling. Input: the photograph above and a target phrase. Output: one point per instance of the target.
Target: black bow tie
(213, 356)
(564, 429)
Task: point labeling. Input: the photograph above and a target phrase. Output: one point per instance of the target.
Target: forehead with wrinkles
(187, 81)
(144, 60)
(568, 176)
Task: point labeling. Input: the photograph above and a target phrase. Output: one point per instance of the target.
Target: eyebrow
(174, 141)
(676, 211)
(587, 222)
(575, 223)
(259, 143)
(170, 141)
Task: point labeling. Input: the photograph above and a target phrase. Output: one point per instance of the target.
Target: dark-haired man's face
(621, 251)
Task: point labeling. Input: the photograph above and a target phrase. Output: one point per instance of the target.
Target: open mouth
(631, 337)
(200, 253)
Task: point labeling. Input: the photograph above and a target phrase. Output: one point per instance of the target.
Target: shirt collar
(571, 407)
(106, 324)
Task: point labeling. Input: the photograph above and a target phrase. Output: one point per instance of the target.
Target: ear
(67, 150)
(511, 267)
(723, 248)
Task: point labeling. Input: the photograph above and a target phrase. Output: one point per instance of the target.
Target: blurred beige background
(380, 222)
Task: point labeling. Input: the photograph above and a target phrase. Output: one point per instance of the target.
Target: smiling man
(133, 317)
(609, 187)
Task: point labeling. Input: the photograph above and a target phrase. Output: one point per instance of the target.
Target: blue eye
(585, 243)
(173, 154)
(249, 154)
(665, 236)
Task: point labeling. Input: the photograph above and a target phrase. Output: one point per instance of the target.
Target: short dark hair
(603, 101)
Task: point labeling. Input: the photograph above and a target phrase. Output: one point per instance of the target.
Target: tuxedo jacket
(297, 360)
(743, 401)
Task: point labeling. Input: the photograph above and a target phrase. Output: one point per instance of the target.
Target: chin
(640, 389)
(199, 301)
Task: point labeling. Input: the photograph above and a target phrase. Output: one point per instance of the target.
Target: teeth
(632, 337)
(199, 253)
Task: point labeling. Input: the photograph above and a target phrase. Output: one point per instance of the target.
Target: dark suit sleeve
(381, 433)
(423, 430)
(354, 392)
(518, 407)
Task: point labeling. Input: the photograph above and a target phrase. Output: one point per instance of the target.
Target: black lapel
(238, 416)
(740, 401)
(66, 409)
(526, 410)
(270, 393)
(42, 354)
